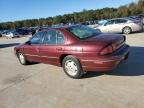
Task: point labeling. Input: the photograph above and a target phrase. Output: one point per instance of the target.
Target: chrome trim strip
(95, 67)
(31, 55)
(98, 60)
(49, 57)
(40, 56)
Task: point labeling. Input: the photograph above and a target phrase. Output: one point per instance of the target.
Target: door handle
(59, 48)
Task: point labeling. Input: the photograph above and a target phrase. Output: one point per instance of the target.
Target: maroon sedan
(77, 49)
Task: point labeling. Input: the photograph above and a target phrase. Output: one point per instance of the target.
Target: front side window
(37, 38)
(110, 22)
(83, 32)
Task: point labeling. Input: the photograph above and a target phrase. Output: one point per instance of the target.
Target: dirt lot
(46, 86)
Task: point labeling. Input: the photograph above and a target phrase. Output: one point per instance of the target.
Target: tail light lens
(106, 50)
(113, 47)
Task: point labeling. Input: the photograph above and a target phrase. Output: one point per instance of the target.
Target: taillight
(107, 50)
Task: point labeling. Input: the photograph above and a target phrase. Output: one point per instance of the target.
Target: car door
(52, 47)
(31, 49)
(118, 25)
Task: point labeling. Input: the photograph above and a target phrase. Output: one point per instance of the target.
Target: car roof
(59, 28)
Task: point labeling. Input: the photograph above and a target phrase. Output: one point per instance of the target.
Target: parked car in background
(9, 35)
(121, 25)
(92, 24)
(77, 49)
(142, 18)
(23, 31)
(0, 33)
(3, 33)
(12, 34)
(135, 17)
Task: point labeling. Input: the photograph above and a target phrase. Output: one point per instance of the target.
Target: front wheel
(22, 58)
(72, 67)
(127, 30)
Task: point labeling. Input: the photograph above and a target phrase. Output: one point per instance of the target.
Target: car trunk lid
(113, 40)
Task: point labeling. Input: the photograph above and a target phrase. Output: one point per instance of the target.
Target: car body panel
(105, 63)
(50, 54)
(32, 52)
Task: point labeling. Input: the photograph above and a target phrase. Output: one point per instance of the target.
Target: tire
(22, 58)
(72, 67)
(127, 30)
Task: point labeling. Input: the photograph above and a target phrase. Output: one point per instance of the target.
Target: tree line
(133, 8)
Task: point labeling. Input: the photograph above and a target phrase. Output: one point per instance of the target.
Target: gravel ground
(46, 86)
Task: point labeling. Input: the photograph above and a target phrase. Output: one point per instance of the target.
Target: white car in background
(3, 33)
(9, 35)
(120, 25)
(13, 34)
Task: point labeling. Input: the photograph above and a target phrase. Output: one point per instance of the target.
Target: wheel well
(17, 52)
(62, 57)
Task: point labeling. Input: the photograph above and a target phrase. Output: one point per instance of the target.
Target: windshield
(83, 32)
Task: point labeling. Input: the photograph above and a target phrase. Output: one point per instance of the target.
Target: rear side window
(53, 37)
(120, 21)
(60, 38)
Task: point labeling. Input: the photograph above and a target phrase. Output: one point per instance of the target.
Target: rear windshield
(83, 32)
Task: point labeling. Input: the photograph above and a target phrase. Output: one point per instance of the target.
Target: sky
(12, 10)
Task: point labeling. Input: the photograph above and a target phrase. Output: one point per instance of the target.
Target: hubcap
(71, 67)
(21, 58)
(126, 30)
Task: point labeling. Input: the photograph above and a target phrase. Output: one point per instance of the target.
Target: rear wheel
(22, 58)
(127, 30)
(72, 67)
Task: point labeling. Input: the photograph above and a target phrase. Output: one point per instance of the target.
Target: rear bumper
(106, 63)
